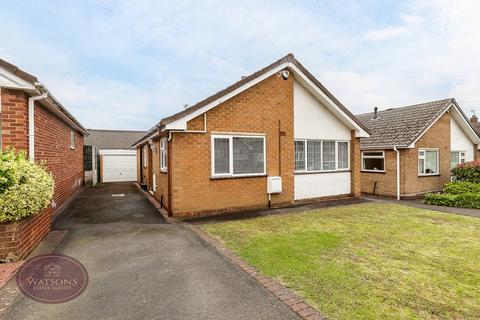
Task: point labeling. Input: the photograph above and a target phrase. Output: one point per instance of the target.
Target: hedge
(462, 187)
(469, 171)
(464, 200)
(25, 187)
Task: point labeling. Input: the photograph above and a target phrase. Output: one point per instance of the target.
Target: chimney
(474, 119)
(375, 113)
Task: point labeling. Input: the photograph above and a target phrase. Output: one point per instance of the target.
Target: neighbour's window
(427, 162)
(321, 155)
(456, 158)
(373, 161)
(145, 156)
(72, 139)
(163, 155)
(238, 155)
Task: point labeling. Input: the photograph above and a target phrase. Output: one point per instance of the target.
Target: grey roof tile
(401, 126)
(112, 139)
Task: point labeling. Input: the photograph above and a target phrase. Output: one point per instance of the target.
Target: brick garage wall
(264, 105)
(52, 146)
(386, 182)
(438, 136)
(14, 119)
(161, 193)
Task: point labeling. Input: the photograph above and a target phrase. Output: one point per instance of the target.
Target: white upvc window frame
(305, 142)
(230, 146)
(72, 139)
(422, 157)
(145, 154)
(373, 157)
(163, 155)
(460, 156)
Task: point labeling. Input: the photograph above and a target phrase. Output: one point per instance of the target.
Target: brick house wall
(52, 146)
(411, 184)
(266, 103)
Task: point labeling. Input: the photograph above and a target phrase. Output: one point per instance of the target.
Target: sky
(126, 64)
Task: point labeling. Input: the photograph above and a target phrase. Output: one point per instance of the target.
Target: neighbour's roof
(112, 139)
(36, 86)
(401, 126)
(288, 58)
(475, 124)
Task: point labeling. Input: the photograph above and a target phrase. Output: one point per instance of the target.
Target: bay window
(321, 155)
(373, 161)
(428, 162)
(242, 155)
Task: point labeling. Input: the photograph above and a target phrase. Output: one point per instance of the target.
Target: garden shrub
(469, 171)
(464, 200)
(446, 200)
(460, 187)
(25, 188)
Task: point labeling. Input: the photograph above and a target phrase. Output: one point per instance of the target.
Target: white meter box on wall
(274, 184)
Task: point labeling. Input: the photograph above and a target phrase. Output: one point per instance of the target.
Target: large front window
(321, 155)
(428, 162)
(238, 155)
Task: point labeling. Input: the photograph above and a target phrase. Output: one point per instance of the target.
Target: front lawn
(368, 261)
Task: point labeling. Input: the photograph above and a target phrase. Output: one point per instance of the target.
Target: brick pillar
(476, 152)
(355, 182)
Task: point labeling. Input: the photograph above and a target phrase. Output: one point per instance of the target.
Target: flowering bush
(469, 171)
(25, 188)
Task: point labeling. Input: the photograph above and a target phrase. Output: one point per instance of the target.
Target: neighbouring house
(109, 155)
(274, 138)
(33, 121)
(411, 150)
(475, 123)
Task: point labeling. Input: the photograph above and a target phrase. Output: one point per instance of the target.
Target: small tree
(469, 171)
(26, 188)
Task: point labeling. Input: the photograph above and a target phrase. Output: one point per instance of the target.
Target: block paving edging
(285, 295)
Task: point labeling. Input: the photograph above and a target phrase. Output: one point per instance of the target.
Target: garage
(117, 158)
(118, 167)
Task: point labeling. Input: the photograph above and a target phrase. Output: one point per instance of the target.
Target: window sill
(374, 171)
(239, 176)
(429, 175)
(320, 172)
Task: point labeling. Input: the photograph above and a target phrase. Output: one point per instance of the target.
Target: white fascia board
(11, 81)
(181, 124)
(332, 106)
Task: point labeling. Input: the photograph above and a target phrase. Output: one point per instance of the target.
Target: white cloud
(386, 33)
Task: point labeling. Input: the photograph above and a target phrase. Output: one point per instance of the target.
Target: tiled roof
(401, 126)
(112, 139)
(288, 58)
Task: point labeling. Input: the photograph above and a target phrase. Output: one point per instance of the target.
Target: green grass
(368, 261)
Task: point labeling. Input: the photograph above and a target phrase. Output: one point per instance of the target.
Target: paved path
(141, 267)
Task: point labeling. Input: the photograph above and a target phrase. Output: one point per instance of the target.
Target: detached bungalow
(411, 150)
(274, 138)
(32, 120)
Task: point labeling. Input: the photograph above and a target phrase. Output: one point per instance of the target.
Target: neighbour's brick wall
(438, 136)
(52, 146)
(161, 192)
(411, 184)
(14, 119)
(386, 183)
(257, 110)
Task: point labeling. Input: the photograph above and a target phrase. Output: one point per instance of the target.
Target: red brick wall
(14, 119)
(52, 146)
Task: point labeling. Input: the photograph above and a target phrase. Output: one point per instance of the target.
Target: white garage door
(117, 168)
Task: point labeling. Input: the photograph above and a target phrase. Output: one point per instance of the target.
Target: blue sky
(127, 64)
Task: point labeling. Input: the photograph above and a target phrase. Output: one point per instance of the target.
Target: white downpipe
(398, 171)
(31, 125)
(191, 131)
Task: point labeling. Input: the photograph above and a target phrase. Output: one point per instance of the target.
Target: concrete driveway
(141, 267)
